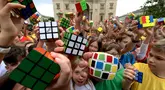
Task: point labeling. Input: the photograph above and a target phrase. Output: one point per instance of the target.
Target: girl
(80, 79)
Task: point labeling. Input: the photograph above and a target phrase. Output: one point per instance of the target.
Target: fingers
(10, 6)
(59, 43)
(83, 64)
(59, 49)
(2, 3)
(129, 72)
(87, 56)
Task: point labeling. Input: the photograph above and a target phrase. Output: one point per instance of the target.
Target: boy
(153, 72)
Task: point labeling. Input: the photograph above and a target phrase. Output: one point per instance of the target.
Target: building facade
(99, 10)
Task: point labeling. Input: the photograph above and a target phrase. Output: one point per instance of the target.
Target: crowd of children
(137, 49)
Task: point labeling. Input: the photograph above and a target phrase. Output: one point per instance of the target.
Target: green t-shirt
(115, 84)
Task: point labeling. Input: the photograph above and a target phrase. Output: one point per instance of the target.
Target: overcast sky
(45, 7)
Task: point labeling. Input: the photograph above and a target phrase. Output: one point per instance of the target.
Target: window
(58, 5)
(111, 14)
(111, 5)
(67, 6)
(101, 6)
(101, 17)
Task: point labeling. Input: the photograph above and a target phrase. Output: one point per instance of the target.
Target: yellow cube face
(114, 69)
(111, 76)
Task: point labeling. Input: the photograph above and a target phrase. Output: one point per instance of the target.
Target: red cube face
(78, 7)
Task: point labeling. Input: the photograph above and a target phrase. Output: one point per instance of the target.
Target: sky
(45, 7)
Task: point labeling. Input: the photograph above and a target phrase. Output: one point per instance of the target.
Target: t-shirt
(150, 81)
(2, 69)
(127, 58)
(115, 84)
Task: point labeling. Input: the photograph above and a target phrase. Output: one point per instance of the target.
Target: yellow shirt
(150, 81)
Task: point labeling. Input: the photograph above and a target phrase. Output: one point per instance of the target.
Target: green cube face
(47, 77)
(40, 86)
(34, 56)
(29, 81)
(37, 72)
(83, 5)
(26, 65)
(102, 57)
(107, 67)
(17, 75)
(45, 62)
(55, 68)
(97, 73)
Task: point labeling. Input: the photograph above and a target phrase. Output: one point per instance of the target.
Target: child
(80, 79)
(153, 72)
(116, 83)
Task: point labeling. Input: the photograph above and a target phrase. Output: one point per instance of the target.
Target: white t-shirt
(2, 69)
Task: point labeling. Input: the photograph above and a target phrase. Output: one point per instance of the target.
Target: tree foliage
(155, 8)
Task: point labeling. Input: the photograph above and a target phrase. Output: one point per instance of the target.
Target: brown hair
(110, 45)
(159, 45)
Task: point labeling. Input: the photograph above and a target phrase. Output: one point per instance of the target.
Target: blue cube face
(99, 65)
(115, 61)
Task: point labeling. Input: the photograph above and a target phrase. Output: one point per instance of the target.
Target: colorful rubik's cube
(131, 16)
(25, 12)
(139, 76)
(48, 30)
(81, 6)
(64, 23)
(74, 45)
(146, 21)
(35, 18)
(37, 70)
(103, 66)
(161, 21)
(70, 29)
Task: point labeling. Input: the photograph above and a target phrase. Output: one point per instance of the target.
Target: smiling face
(80, 76)
(93, 47)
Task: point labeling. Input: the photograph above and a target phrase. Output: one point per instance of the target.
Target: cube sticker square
(81, 6)
(104, 65)
(139, 76)
(48, 30)
(64, 23)
(74, 44)
(33, 73)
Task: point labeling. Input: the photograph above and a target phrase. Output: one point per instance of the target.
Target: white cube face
(85, 41)
(80, 53)
(41, 24)
(82, 47)
(73, 37)
(42, 30)
(68, 50)
(71, 44)
(55, 35)
(54, 23)
(42, 36)
(48, 30)
(49, 36)
(77, 46)
(55, 29)
(79, 39)
(48, 24)
(75, 52)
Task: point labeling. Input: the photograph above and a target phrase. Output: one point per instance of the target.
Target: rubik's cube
(146, 21)
(74, 45)
(161, 21)
(64, 23)
(91, 23)
(25, 12)
(48, 30)
(131, 16)
(70, 29)
(81, 6)
(100, 29)
(35, 18)
(103, 66)
(37, 70)
(139, 76)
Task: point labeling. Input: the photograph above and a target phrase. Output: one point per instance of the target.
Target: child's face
(93, 47)
(104, 41)
(126, 39)
(113, 52)
(156, 61)
(80, 76)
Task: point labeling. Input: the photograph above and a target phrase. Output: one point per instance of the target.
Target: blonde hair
(159, 45)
